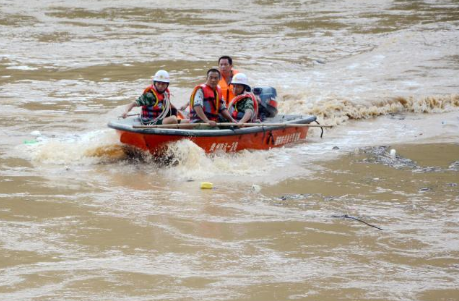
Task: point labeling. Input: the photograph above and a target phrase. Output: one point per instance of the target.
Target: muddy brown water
(337, 218)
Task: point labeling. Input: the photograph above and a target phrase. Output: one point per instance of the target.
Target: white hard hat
(161, 76)
(240, 79)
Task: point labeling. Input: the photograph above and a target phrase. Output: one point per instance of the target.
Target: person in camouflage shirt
(244, 106)
(155, 102)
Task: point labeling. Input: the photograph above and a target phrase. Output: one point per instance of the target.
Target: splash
(183, 159)
(336, 111)
(90, 148)
(191, 162)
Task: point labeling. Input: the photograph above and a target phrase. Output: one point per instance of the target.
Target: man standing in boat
(155, 102)
(244, 106)
(206, 102)
(225, 65)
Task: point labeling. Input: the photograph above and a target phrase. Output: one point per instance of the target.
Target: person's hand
(124, 115)
(212, 123)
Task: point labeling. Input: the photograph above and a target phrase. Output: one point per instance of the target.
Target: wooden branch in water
(356, 219)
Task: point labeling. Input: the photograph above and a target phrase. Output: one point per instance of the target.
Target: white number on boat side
(279, 140)
(226, 147)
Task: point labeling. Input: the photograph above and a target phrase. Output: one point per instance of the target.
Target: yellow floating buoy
(206, 185)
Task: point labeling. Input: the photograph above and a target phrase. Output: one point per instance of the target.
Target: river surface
(341, 217)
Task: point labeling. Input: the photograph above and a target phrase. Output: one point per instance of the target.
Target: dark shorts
(149, 122)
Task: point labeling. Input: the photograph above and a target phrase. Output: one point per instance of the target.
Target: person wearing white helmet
(244, 106)
(155, 102)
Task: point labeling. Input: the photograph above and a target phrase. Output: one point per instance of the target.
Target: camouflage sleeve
(146, 99)
(247, 104)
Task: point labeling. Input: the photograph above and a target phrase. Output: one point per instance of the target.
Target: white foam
(22, 68)
(89, 148)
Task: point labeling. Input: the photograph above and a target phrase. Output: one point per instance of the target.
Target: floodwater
(337, 218)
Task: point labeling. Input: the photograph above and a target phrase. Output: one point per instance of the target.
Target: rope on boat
(167, 107)
(321, 129)
(356, 219)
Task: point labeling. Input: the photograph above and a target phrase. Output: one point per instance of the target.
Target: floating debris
(387, 156)
(392, 153)
(454, 166)
(207, 185)
(424, 189)
(30, 141)
(356, 219)
(256, 188)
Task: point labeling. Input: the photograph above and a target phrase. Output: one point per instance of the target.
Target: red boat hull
(258, 141)
(262, 137)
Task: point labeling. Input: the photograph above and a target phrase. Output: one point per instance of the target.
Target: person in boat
(225, 66)
(206, 101)
(155, 102)
(244, 106)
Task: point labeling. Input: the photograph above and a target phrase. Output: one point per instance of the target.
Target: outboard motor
(268, 102)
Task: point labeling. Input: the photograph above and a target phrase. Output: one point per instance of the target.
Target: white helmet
(240, 79)
(161, 76)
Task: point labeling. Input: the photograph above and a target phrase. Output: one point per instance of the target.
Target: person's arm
(227, 115)
(224, 111)
(200, 112)
(247, 116)
(183, 108)
(129, 107)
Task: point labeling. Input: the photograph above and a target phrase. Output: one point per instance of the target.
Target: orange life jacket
(211, 102)
(227, 90)
(238, 115)
(151, 112)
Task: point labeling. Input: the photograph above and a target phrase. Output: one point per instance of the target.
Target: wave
(338, 111)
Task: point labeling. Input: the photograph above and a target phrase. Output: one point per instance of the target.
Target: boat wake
(335, 111)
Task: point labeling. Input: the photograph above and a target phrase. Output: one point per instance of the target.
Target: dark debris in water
(397, 116)
(427, 169)
(300, 196)
(356, 219)
(424, 189)
(454, 166)
(381, 155)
